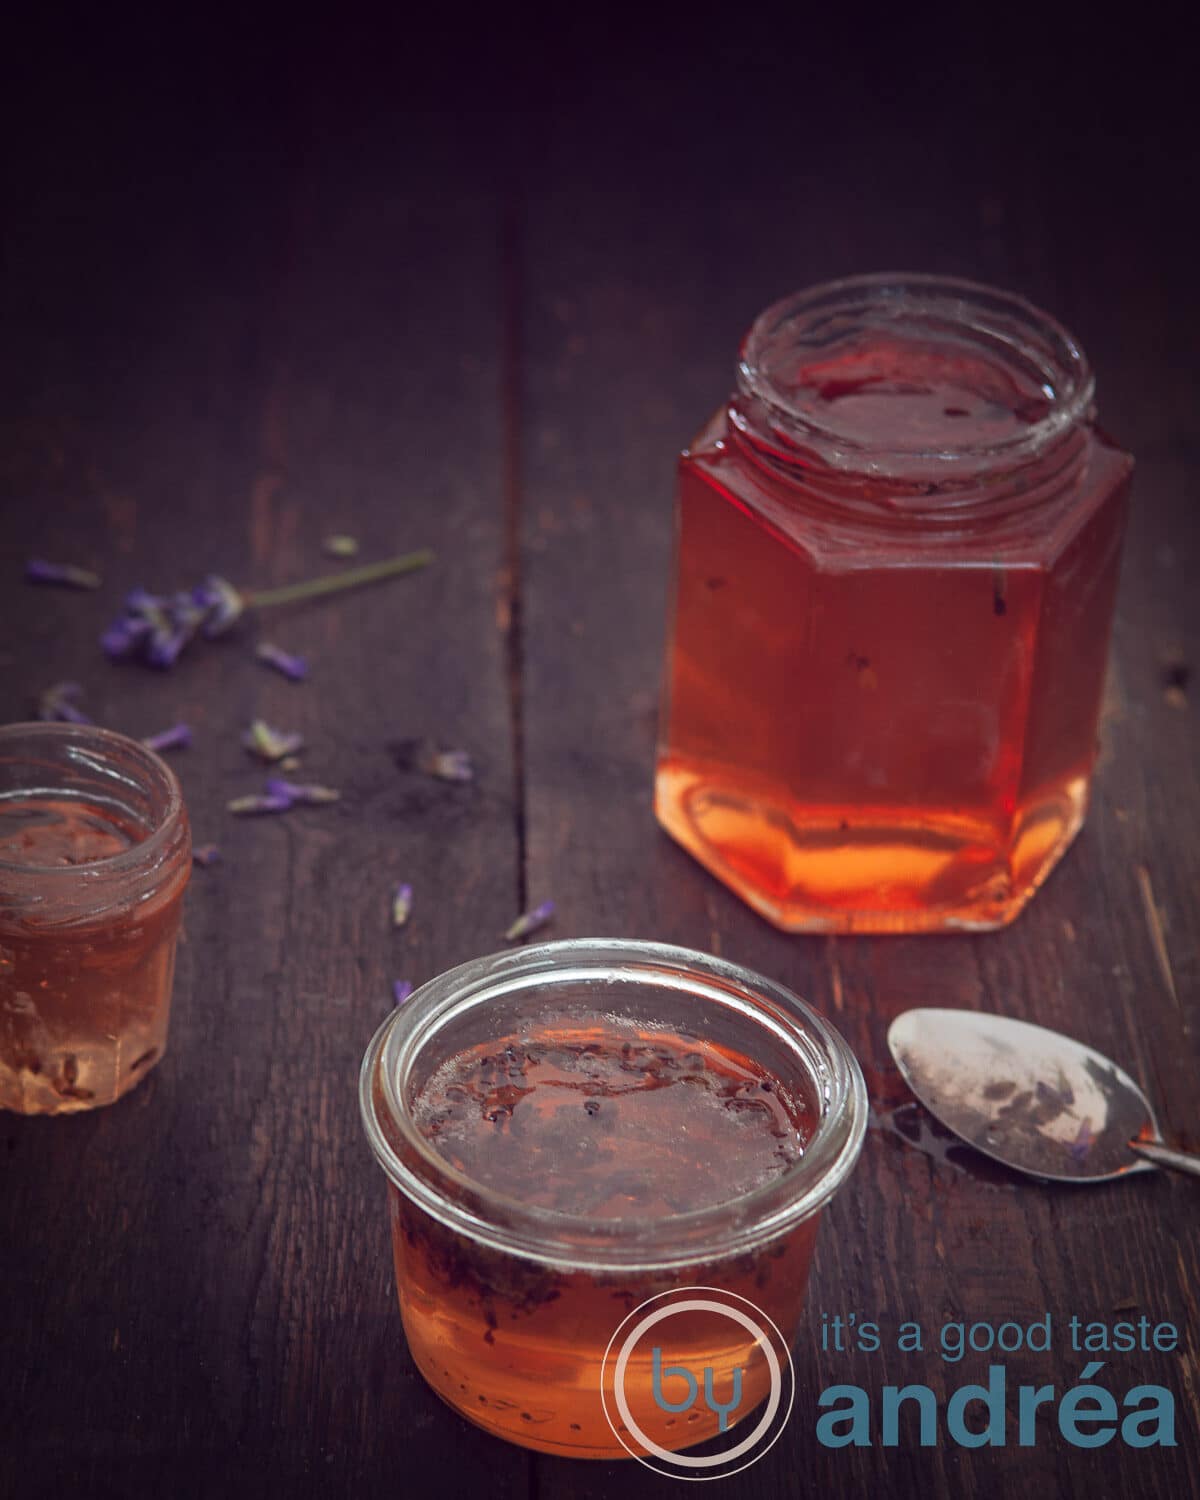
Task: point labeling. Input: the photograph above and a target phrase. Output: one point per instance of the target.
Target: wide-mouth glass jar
(576, 1127)
(95, 852)
(896, 560)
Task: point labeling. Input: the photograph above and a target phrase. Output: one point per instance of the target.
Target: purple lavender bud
(38, 570)
(530, 921)
(259, 804)
(401, 990)
(205, 855)
(140, 601)
(402, 898)
(125, 636)
(295, 668)
(310, 795)
(178, 737)
(222, 603)
(57, 704)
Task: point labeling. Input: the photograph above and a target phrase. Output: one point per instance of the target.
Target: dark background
(270, 278)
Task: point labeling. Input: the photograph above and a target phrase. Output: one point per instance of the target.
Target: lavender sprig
(157, 629)
(270, 744)
(300, 795)
(38, 570)
(57, 704)
(401, 990)
(530, 921)
(402, 898)
(295, 668)
(178, 737)
(205, 855)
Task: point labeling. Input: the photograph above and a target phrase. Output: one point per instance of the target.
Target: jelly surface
(612, 1124)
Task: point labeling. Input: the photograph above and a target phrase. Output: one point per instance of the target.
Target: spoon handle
(1182, 1161)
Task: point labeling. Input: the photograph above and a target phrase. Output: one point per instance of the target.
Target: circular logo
(689, 1367)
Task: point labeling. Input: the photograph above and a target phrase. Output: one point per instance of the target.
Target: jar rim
(572, 1241)
(1004, 321)
(125, 860)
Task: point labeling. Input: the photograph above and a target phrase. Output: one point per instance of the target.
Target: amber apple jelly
(94, 858)
(612, 1135)
(897, 555)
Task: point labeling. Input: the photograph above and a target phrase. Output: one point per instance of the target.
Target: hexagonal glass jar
(897, 553)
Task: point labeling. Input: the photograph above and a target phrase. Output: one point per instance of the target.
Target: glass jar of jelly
(95, 852)
(897, 553)
(577, 1131)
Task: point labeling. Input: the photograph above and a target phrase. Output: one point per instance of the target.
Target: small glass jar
(897, 555)
(510, 1300)
(95, 852)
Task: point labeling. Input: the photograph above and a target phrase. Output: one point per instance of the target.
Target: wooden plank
(666, 234)
(198, 1287)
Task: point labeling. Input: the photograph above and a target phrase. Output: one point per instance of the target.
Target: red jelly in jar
(897, 555)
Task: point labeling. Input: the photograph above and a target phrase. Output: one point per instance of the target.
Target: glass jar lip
(575, 1242)
(971, 303)
(137, 855)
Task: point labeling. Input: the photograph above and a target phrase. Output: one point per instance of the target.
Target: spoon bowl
(1036, 1100)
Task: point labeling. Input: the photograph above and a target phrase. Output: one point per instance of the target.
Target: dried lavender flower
(530, 921)
(270, 744)
(222, 603)
(183, 617)
(254, 803)
(178, 737)
(309, 796)
(295, 668)
(401, 990)
(57, 704)
(205, 855)
(340, 546)
(38, 570)
(125, 636)
(402, 898)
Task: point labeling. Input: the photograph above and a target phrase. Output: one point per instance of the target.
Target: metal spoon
(1033, 1099)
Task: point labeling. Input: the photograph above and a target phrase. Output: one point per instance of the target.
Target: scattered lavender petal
(270, 744)
(178, 737)
(310, 795)
(340, 546)
(38, 570)
(448, 765)
(255, 803)
(295, 668)
(402, 898)
(57, 704)
(401, 990)
(530, 921)
(205, 855)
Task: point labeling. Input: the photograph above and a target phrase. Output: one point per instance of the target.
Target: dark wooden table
(295, 288)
